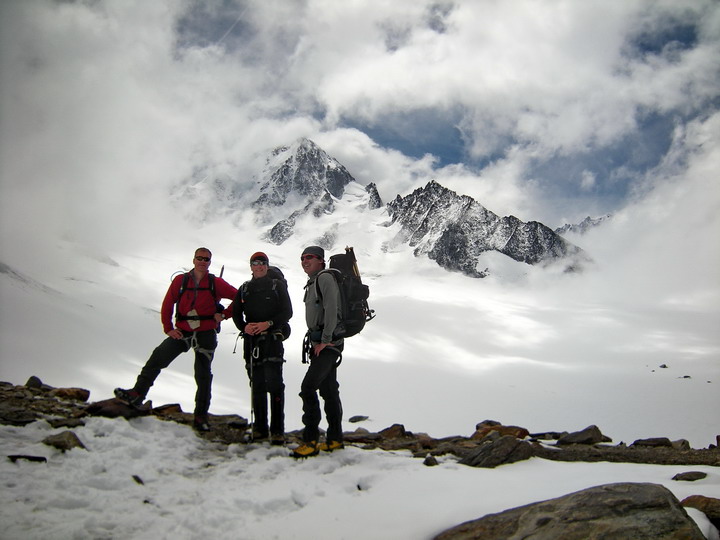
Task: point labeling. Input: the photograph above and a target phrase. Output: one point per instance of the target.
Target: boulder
(589, 435)
(114, 408)
(489, 426)
(393, 432)
(690, 476)
(67, 440)
(681, 444)
(16, 416)
(707, 505)
(654, 442)
(625, 510)
(34, 382)
(492, 453)
(76, 394)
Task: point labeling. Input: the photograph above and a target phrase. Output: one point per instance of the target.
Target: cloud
(107, 107)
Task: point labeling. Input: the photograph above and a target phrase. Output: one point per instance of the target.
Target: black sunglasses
(199, 258)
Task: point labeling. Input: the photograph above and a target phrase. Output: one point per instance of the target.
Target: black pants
(322, 376)
(266, 377)
(264, 365)
(204, 343)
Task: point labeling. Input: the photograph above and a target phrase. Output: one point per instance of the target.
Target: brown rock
(114, 408)
(482, 430)
(393, 432)
(707, 505)
(637, 511)
(67, 440)
(168, 410)
(77, 394)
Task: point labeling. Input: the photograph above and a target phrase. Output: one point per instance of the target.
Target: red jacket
(202, 301)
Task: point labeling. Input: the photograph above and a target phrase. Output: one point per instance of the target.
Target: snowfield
(147, 478)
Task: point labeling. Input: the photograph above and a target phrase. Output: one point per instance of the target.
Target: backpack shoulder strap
(183, 285)
(334, 273)
(244, 290)
(211, 280)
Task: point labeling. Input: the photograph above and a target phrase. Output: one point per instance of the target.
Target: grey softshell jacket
(323, 315)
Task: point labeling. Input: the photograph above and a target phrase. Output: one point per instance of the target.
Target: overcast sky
(550, 110)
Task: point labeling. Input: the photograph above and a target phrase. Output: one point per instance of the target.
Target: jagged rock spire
(454, 230)
(304, 170)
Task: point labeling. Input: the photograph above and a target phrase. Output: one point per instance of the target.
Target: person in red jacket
(194, 299)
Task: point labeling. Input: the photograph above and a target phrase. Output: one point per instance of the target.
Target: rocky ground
(491, 444)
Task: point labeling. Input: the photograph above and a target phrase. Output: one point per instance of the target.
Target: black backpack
(276, 275)
(355, 311)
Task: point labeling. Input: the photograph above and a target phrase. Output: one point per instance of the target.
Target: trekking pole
(252, 402)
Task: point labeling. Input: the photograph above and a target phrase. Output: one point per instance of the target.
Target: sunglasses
(199, 258)
(309, 257)
(258, 263)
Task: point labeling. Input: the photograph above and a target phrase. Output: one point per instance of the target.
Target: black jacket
(262, 299)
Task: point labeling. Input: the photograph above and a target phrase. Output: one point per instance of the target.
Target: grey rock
(690, 476)
(375, 200)
(625, 510)
(589, 435)
(498, 451)
(654, 442)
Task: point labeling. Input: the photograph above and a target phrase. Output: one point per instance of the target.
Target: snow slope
(194, 489)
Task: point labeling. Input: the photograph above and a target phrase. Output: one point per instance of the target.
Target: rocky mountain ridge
(584, 226)
(451, 229)
(454, 230)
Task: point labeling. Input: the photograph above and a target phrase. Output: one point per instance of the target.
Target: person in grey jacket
(322, 314)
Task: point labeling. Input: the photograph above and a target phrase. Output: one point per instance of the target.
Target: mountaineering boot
(259, 435)
(129, 397)
(277, 439)
(306, 449)
(329, 446)
(200, 423)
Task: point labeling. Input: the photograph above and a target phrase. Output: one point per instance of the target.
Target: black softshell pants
(204, 343)
(264, 365)
(321, 377)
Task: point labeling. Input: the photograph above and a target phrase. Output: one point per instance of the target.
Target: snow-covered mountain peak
(300, 172)
(454, 230)
(584, 226)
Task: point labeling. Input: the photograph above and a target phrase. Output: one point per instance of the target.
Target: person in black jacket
(261, 311)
